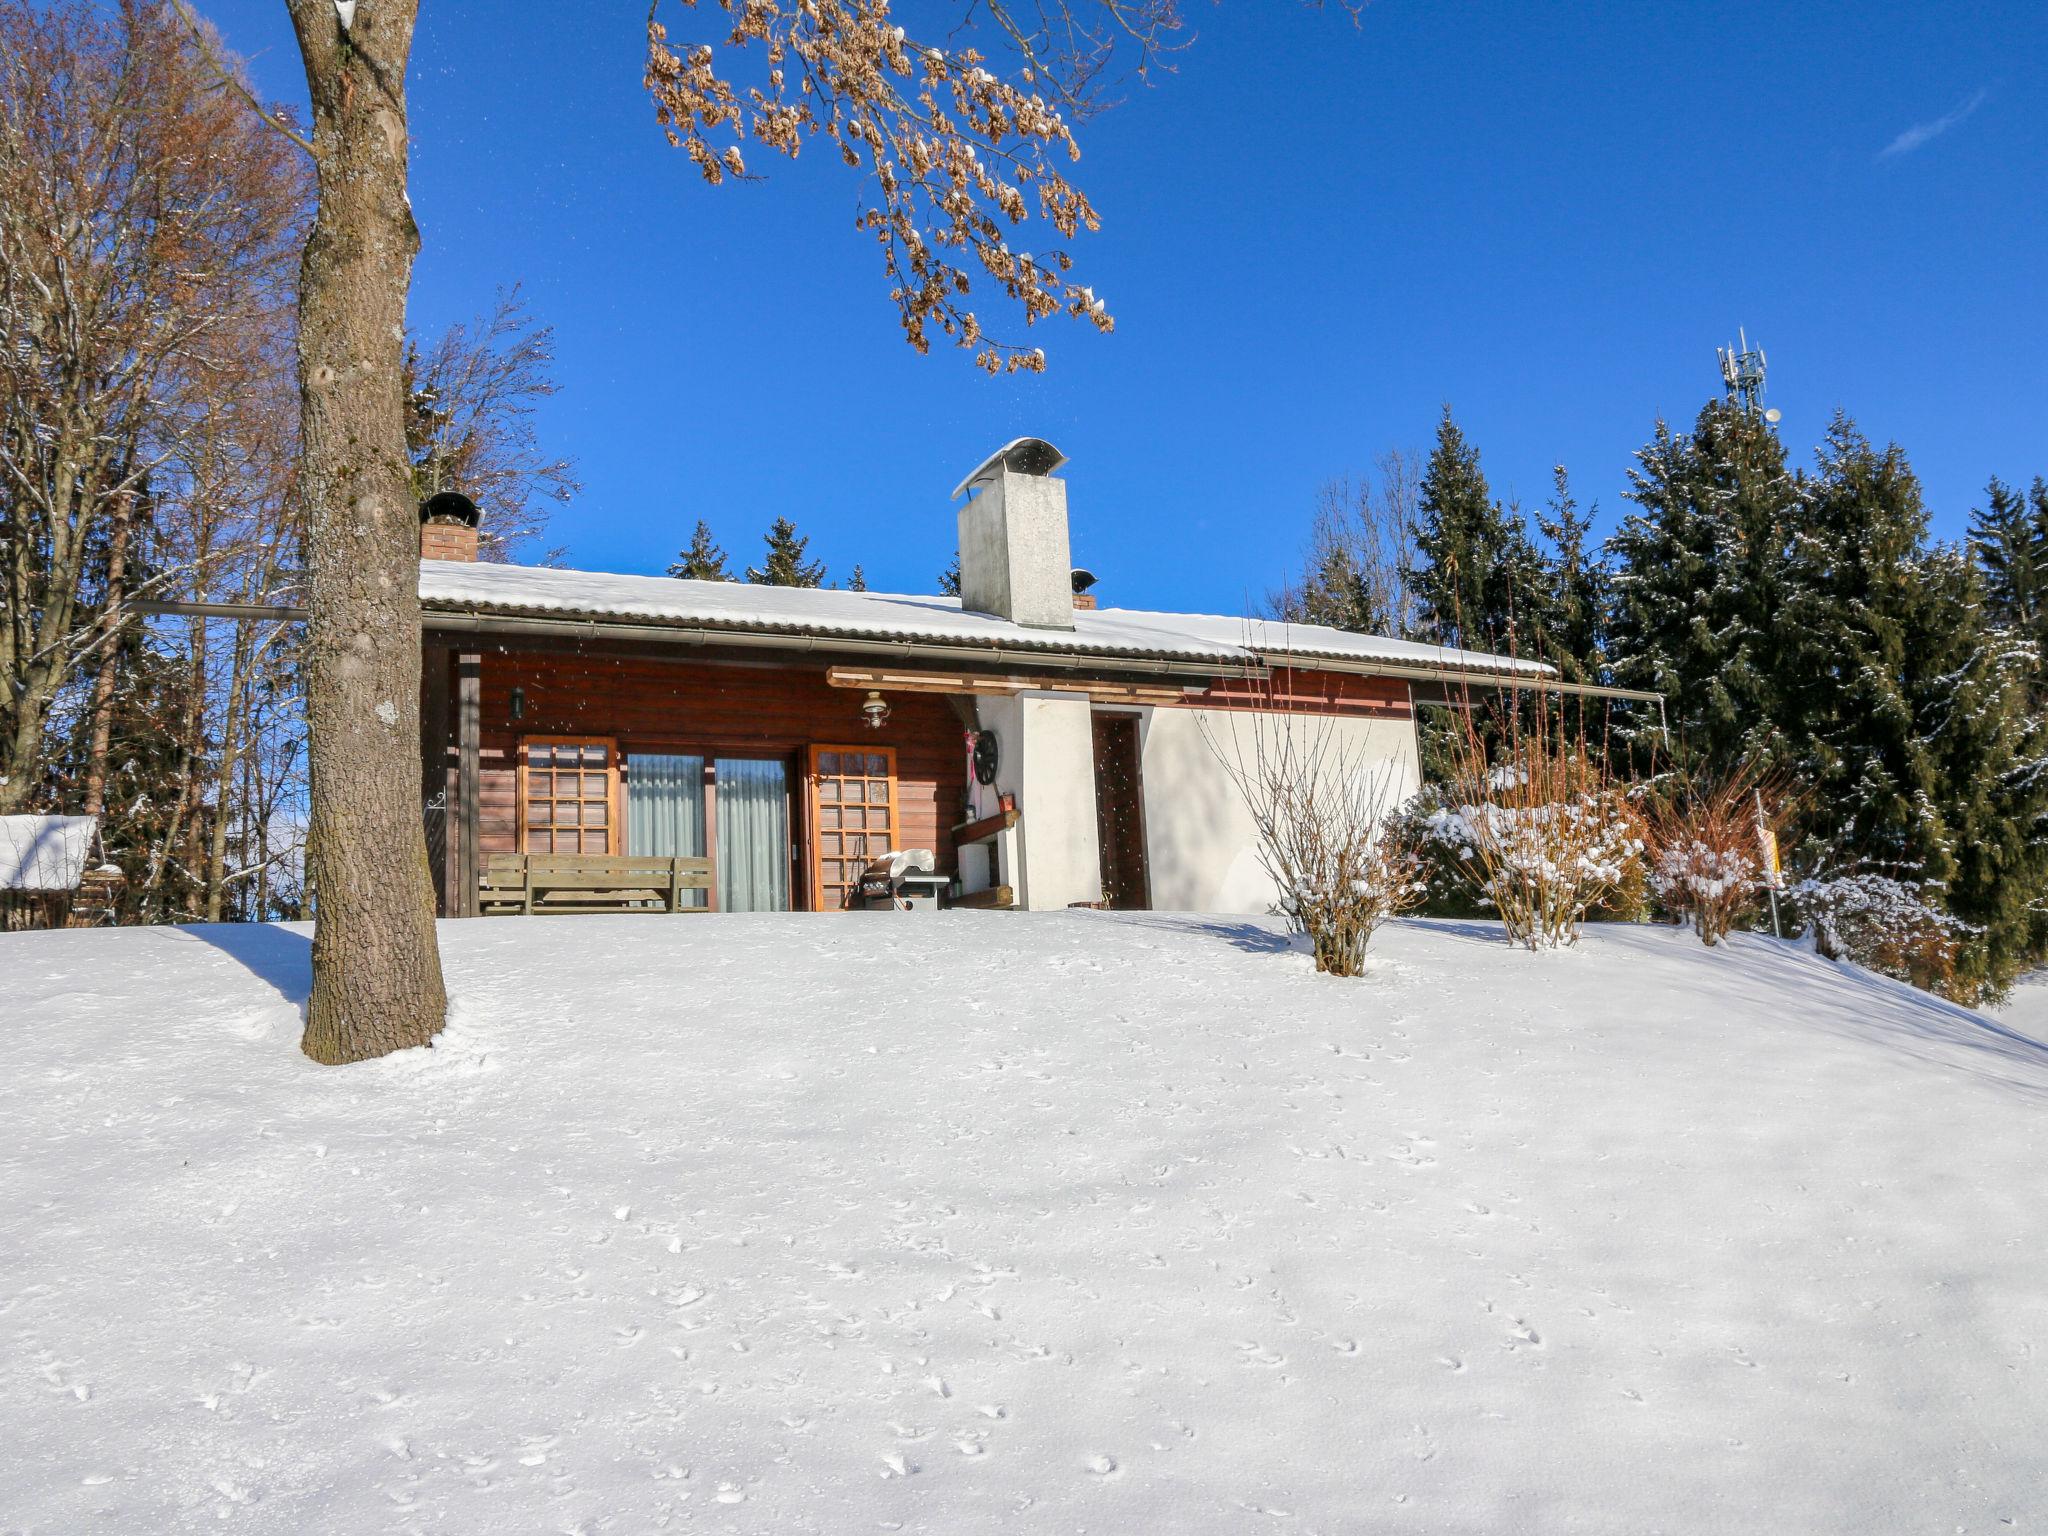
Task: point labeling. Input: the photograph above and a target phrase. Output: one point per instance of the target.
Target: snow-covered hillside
(1017, 1223)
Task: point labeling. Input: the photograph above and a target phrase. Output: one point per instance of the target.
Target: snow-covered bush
(1707, 848)
(1342, 861)
(1883, 925)
(1538, 829)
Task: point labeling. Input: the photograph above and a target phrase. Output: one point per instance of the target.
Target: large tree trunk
(376, 971)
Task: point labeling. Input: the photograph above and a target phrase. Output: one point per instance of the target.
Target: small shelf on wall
(987, 827)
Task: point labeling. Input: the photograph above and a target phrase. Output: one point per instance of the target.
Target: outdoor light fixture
(876, 709)
(518, 703)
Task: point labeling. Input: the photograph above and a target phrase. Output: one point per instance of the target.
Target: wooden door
(852, 820)
(1120, 812)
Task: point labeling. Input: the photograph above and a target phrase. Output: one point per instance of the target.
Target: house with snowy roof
(1024, 745)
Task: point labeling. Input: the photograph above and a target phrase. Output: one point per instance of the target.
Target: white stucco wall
(1048, 762)
(1201, 848)
(1056, 838)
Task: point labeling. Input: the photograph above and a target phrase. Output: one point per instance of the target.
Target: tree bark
(110, 660)
(376, 970)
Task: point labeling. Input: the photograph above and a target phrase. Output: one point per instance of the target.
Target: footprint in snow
(1100, 1466)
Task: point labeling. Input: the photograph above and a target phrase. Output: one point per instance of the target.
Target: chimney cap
(1083, 579)
(1022, 455)
(450, 507)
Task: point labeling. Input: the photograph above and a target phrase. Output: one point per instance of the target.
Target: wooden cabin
(770, 743)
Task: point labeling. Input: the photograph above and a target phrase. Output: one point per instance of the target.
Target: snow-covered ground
(986, 1222)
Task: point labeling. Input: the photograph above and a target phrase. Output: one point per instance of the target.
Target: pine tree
(1475, 562)
(785, 565)
(858, 581)
(703, 560)
(1847, 652)
(1695, 582)
(1569, 606)
(2010, 542)
(949, 578)
(1971, 692)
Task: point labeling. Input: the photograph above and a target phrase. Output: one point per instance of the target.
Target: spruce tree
(2011, 548)
(1474, 559)
(858, 581)
(1971, 693)
(1695, 583)
(703, 560)
(949, 578)
(1569, 604)
(1851, 606)
(785, 565)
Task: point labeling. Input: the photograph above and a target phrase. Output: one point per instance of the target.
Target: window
(853, 818)
(568, 795)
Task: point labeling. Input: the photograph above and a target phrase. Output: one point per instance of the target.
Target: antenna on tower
(1742, 373)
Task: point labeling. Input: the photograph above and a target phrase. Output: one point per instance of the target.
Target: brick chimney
(1014, 558)
(448, 527)
(1083, 580)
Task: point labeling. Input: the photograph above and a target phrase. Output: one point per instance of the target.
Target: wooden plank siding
(722, 709)
(649, 701)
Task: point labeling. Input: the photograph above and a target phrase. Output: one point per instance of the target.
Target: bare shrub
(1538, 827)
(1707, 838)
(1883, 925)
(1329, 838)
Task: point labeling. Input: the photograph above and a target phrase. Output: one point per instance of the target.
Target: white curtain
(665, 809)
(753, 835)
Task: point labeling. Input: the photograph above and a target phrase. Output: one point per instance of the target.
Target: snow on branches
(1539, 831)
(1707, 840)
(1883, 925)
(957, 155)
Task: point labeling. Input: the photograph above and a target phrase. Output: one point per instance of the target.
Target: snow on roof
(44, 853)
(458, 586)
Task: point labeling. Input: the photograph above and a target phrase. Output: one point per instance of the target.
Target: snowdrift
(1005, 1222)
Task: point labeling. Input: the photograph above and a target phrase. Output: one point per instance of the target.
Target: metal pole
(1768, 841)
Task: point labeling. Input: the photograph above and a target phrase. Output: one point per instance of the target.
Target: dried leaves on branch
(956, 156)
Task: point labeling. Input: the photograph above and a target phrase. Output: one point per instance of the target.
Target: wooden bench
(523, 883)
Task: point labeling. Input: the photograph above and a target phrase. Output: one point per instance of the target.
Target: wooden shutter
(568, 794)
(853, 818)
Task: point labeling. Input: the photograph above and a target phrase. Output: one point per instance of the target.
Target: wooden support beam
(469, 688)
(996, 896)
(891, 680)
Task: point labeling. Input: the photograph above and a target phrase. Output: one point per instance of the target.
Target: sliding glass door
(752, 795)
(665, 809)
(740, 808)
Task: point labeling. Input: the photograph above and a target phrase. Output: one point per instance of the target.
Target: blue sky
(1314, 237)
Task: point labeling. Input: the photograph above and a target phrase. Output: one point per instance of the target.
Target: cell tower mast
(1742, 372)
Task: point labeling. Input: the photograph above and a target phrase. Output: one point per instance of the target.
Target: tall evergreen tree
(1474, 559)
(949, 578)
(703, 560)
(1846, 653)
(1971, 693)
(785, 565)
(1695, 582)
(858, 581)
(1569, 604)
